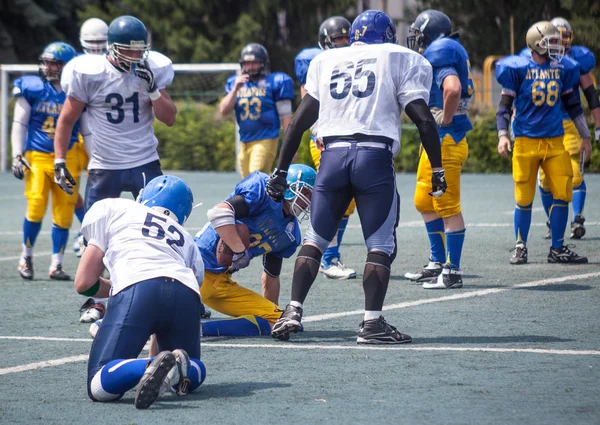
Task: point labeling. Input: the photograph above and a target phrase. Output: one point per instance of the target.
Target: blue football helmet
(255, 52)
(168, 195)
(53, 59)
(373, 27)
(430, 25)
(300, 179)
(127, 33)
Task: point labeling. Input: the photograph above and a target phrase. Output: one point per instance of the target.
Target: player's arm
(573, 107)
(84, 129)
(164, 108)
(88, 280)
(503, 115)
(228, 102)
(222, 217)
(302, 91)
(270, 277)
(419, 113)
(452, 89)
(591, 95)
(18, 134)
(284, 110)
(69, 115)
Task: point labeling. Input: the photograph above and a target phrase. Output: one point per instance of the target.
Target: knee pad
(36, 209)
(97, 393)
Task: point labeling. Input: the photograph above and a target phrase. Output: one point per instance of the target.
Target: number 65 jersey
(119, 110)
(364, 88)
(537, 90)
(140, 243)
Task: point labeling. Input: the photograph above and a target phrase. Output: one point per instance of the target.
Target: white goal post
(5, 93)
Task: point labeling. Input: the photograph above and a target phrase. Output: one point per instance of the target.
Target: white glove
(241, 260)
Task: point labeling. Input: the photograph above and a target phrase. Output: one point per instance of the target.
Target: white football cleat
(91, 311)
(78, 245)
(94, 327)
(177, 380)
(337, 270)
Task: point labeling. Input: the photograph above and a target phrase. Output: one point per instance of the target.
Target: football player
(451, 91)
(274, 235)
(93, 36)
(586, 60)
(539, 88)
(122, 93)
(155, 276)
(357, 94)
(38, 104)
(334, 32)
(261, 101)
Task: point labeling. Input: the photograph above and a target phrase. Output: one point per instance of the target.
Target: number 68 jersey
(364, 88)
(119, 110)
(537, 90)
(140, 243)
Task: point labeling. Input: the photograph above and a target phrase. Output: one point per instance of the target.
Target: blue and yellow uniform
(257, 117)
(271, 232)
(46, 104)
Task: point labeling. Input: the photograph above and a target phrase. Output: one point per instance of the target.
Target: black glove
(143, 71)
(63, 177)
(19, 166)
(277, 185)
(438, 183)
(241, 260)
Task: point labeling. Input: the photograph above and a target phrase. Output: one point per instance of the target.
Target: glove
(438, 116)
(63, 177)
(597, 135)
(143, 71)
(438, 183)
(19, 166)
(241, 260)
(277, 185)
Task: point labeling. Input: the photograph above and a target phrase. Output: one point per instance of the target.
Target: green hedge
(202, 140)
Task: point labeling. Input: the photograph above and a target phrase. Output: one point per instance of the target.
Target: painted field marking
(18, 257)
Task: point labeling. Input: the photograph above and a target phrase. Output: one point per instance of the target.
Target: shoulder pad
(569, 64)
(507, 70)
(87, 64)
(443, 52)
(526, 53)
(308, 53)
(279, 78)
(158, 60)
(27, 86)
(302, 61)
(584, 57)
(162, 67)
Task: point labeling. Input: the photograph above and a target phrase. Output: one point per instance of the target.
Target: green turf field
(518, 344)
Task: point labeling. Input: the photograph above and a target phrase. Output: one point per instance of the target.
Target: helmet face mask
(53, 59)
(301, 179)
(429, 26)
(334, 32)
(127, 42)
(545, 39)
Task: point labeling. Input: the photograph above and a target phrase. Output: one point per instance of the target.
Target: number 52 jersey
(364, 88)
(119, 109)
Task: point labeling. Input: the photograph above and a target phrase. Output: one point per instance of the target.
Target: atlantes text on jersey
(364, 88)
(140, 243)
(537, 90)
(46, 104)
(255, 106)
(271, 231)
(119, 109)
(448, 57)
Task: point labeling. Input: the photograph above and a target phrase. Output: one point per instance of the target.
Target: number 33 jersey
(364, 88)
(119, 109)
(140, 243)
(537, 90)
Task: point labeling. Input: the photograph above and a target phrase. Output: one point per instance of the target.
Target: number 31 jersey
(364, 88)
(119, 109)
(140, 243)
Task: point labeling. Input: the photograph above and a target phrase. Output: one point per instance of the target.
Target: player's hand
(320, 144)
(240, 80)
(63, 177)
(143, 71)
(597, 135)
(241, 260)
(504, 146)
(438, 116)
(277, 185)
(20, 165)
(438, 183)
(586, 149)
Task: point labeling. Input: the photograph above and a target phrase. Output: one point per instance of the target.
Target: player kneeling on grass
(274, 234)
(156, 272)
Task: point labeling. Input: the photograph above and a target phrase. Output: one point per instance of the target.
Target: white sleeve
(311, 85)
(73, 83)
(95, 224)
(18, 133)
(414, 80)
(284, 108)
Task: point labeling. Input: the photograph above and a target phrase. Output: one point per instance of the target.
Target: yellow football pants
(257, 156)
(315, 153)
(528, 155)
(572, 144)
(39, 183)
(222, 294)
(454, 156)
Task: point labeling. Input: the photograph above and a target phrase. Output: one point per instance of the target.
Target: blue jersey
(448, 57)
(271, 231)
(302, 62)
(586, 60)
(255, 107)
(537, 90)
(46, 104)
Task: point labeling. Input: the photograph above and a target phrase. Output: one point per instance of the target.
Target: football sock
(196, 373)
(546, 200)
(247, 325)
(579, 194)
(333, 251)
(372, 315)
(31, 231)
(59, 241)
(437, 240)
(375, 280)
(455, 241)
(522, 222)
(306, 269)
(296, 304)
(559, 216)
(80, 213)
(117, 377)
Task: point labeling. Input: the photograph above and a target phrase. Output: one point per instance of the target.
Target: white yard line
(18, 257)
(40, 365)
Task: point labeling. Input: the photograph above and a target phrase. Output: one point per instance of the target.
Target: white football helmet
(93, 36)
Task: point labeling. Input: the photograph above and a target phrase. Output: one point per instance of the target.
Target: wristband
(502, 133)
(59, 161)
(154, 95)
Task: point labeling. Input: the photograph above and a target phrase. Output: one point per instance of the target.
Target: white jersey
(140, 243)
(119, 110)
(364, 88)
